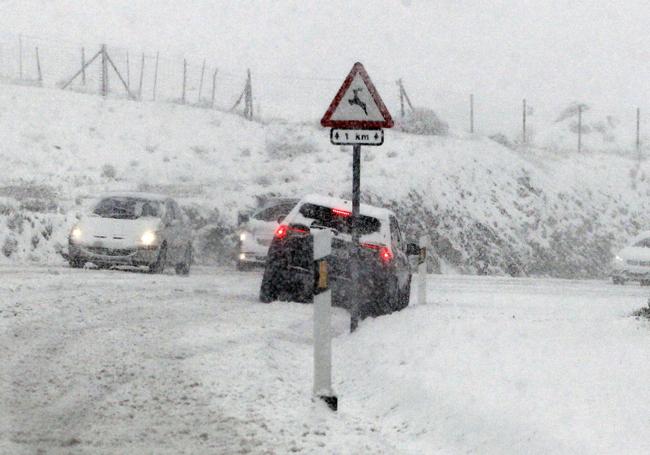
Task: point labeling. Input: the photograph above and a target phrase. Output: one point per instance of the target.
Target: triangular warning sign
(357, 104)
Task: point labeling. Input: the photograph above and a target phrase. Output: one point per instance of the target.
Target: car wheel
(645, 282)
(387, 300)
(269, 289)
(76, 263)
(183, 268)
(159, 265)
(405, 295)
(618, 280)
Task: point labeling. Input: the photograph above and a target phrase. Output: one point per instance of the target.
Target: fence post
(322, 319)
(141, 77)
(20, 57)
(83, 66)
(155, 76)
(201, 82)
(184, 79)
(401, 97)
(38, 67)
(104, 71)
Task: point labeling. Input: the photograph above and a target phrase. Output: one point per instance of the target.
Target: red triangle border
(327, 121)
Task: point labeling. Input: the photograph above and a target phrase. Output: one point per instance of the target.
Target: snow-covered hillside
(488, 208)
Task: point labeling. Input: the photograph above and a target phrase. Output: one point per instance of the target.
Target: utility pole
(214, 87)
(471, 113)
(201, 81)
(523, 137)
(141, 77)
(20, 57)
(638, 133)
(155, 77)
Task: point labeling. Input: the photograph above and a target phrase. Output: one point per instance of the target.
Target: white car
(632, 263)
(256, 230)
(133, 229)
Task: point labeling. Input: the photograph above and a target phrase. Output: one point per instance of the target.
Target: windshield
(341, 221)
(128, 208)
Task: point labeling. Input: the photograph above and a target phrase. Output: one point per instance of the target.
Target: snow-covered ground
(488, 208)
(122, 362)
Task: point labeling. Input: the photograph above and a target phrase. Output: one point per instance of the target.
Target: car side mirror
(242, 218)
(412, 249)
(281, 219)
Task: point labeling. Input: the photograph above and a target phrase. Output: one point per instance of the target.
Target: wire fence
(152, 76)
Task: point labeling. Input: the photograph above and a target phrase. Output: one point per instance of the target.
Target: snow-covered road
(123, 362)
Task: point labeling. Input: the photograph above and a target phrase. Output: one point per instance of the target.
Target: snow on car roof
(333, 202)
(135, 194)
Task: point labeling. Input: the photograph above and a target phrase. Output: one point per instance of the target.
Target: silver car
(632, 263)
(133, 229)
(256, 230)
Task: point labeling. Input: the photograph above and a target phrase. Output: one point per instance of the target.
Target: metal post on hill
(128, 70)
(184, 80)
(638, 134)
(20, 57)
(83, 66)
(155, 77)
(201, 82)
(104, 87)
(141, 77)
(38, 67)
(471, 113)
(579, 128)
(214, 87)
(523, 132)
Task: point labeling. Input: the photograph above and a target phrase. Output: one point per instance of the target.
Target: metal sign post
(356, 115)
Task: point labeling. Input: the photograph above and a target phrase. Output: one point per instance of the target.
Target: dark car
(384, 272)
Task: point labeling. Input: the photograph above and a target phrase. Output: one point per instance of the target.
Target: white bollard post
(422, 270)
(322, 319)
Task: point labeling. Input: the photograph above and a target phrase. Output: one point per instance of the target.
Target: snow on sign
(357, 104)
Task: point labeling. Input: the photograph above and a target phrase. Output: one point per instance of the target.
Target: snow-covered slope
(487, 207)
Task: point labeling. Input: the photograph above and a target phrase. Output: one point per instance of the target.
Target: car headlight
(148, 238)
(242, 236)
(618, 258)
(75, 234)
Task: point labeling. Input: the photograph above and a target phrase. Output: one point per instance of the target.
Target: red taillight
(385, 254)
(283, 230)
(341, 212)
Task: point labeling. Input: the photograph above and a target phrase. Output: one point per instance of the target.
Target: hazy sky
(549, 51)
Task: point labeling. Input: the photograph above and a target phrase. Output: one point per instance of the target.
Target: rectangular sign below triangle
(357, 104)
(344, 136)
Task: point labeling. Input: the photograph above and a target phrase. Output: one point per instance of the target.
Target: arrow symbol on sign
(376, 136)
(336, 135)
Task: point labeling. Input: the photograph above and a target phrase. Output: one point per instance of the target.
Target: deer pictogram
(356, 100)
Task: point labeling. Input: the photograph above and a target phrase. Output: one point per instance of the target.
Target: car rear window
(127, 208)
(340, 220)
